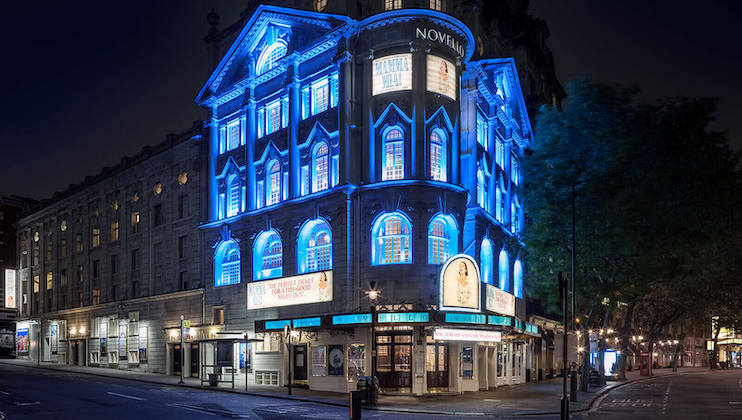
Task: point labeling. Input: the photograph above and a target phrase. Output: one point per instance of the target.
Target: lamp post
(287, 332)
(182, 349)
(373, 294)
(563, 287)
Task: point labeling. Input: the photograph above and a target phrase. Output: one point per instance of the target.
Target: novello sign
(436, 35)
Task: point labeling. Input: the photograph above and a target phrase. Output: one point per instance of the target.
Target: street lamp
(287, 332)
(563, 287)
(373, 295)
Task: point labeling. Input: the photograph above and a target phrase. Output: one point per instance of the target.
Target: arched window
(227, 263)
(442, 239)
(320, 168)
(498, 204)
(515, 221)
(393, 154)
(518, 279)
(267, 255)
(270, 56)
(392, 238)
(485, 260)
(314, 251)
(273, 183)
(504, 268)
(438, 152)
(233, 195)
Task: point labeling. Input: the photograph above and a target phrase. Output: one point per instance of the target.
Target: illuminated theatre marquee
(436, 35)
(296, 290)
(392, 73)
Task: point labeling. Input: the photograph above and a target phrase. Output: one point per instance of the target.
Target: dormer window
(270, 56)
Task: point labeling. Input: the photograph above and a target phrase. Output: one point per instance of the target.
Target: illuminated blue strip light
(404, 317)
(530, 328)
(499, 320)
(307, 322)
(351, 319)
(518, 324)
(467, 318)
(277, 325)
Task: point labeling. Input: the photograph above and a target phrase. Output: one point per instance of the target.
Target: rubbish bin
(363, 385)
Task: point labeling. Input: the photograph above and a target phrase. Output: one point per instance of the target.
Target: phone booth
(645, 365)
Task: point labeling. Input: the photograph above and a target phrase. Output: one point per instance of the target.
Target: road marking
(4, 392)
(740, 383)
(667, 397)
(126, 396)
(27, 403)
(735, 402)
(491, 400)
(185, 407)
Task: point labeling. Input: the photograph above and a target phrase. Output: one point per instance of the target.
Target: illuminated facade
(365, 148)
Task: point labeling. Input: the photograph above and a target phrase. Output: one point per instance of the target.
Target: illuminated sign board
(10, 288)
(436, 35)
(21, 340)
(460, 284)
(392, 73)
(500, 301)
(467, 318)
(307, 322)
(277, 325)
(441, 76)
(499, 320)
(453, 334)
(351, 319)
(404, 317)
(296, 290)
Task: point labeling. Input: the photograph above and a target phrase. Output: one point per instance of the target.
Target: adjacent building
(351, 207)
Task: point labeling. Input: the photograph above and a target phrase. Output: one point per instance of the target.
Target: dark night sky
(85, 83)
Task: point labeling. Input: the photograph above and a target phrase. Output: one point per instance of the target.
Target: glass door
(394, 361)
(436, 365)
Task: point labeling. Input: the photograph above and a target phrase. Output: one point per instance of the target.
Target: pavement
(532, 399)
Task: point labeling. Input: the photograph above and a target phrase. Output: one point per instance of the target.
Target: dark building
(355, 192)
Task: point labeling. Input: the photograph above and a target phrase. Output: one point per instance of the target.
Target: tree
(650, 183)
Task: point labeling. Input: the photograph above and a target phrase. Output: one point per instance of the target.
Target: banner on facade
(21, 339)
(336, 360)
(122, 341)
(10, 288)
(392, 73)
(319, 360)
(455, 334)
(441, 76)
(296, 290)
(53, 338)
(499, 301)
(460, 284)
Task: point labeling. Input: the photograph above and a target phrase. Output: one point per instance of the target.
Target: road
(710, 395)
(30, 393)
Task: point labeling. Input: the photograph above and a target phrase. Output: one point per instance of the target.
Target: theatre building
(364, 210)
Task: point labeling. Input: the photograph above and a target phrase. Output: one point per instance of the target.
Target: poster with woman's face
(460, 284)
(441, 76)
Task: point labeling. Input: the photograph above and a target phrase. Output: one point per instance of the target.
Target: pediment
(304, 34)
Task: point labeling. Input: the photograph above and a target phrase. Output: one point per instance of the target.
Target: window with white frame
(392, 4)
(515, 170)
(233, 195)
(392, 236)
(314, 250)
(482, 188)
(267, 256)
(227, 263)
(442, 239)
(273, 180)
(498, 204)
(233, 134)
(504, 269)
(271, 54)
(438, 152)
(273, 117)
(320, 169)
(393, 155)
(436, 5)
(500, 153)
(320, 96)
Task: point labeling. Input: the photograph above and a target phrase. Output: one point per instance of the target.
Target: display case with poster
(319, 360)
(356, 361)
(336, 360)
(441, 76)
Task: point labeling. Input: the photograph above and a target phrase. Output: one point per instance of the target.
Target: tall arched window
(314, 250)
(442, 239)
(438, 152)
(233, 195)
(518, 279)
(273, 183)
(515, 222)
(267, 255)
(227, 263)
(485, 260)
(392, 239)
(393, 154)
(270, 56)
(498, 204)
(320, 168)
(504, 268)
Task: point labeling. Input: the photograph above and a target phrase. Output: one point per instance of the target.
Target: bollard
(573, 385)
(355, 405)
